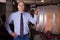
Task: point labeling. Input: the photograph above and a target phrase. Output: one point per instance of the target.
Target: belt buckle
(22, 35)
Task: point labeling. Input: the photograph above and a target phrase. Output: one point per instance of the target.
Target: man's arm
(8, 21)
(33, 19)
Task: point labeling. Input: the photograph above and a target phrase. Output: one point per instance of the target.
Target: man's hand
(37, 11)
(13, 34)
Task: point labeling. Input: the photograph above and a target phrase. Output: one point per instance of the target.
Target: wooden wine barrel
(49, 19)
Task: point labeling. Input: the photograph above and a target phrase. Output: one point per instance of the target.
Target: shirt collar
(20, 12)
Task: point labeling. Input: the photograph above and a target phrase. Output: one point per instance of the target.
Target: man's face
(21, 6)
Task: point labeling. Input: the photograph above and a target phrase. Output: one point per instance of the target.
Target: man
(21, 20)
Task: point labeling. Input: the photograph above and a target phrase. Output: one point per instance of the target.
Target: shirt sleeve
(33, 19)
(8, 21)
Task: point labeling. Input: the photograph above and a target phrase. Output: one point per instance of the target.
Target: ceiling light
(42, 0)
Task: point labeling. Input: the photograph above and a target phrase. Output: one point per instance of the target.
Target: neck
(21, 11)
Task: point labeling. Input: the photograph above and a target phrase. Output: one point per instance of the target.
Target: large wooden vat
(49, 19)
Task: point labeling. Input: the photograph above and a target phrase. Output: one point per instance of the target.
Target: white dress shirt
(15, 17)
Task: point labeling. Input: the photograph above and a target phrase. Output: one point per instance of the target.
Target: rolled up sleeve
(33, 19)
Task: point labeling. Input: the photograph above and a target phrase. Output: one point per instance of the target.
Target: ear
(17, 6)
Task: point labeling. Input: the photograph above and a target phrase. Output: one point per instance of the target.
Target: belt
(23, 35)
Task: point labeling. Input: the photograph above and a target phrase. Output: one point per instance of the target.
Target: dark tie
(21, 25)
